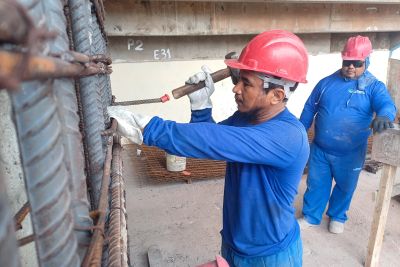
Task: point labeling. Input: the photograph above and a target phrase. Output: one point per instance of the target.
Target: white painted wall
(134, 81)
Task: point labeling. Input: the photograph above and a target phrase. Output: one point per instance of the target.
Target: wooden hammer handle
(190, 88)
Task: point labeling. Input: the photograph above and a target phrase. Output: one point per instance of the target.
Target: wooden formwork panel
(171, 18)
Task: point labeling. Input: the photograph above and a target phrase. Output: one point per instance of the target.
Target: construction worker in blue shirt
(265, 147)
(343, 105)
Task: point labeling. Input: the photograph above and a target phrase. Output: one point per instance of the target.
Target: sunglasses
(355, 63)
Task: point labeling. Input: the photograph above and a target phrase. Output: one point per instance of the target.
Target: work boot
(336, 227)
(304, 224)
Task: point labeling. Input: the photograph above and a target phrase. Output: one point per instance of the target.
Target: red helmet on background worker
(357, 48)
(278, 53)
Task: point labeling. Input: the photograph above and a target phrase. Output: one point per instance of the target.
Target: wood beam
(173, 18)
(393, 81)
(380, 215)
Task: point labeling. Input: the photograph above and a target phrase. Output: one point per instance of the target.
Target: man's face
(250, 95)
(353, 68)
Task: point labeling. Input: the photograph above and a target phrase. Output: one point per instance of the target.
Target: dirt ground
(183, 221)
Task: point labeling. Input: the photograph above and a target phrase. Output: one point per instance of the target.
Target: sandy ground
(183, 221)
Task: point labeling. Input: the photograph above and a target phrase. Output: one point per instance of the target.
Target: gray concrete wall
(10, 166)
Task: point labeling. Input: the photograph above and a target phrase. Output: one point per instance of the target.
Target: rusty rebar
(16, 27)
(44, 67)
(117, 228)
(67, 13)
(26, 240)
(162, 99)
(26, 33)
(100, 15)
(95, 250)
(21, 214)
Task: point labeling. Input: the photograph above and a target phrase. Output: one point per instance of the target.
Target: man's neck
(261, 116)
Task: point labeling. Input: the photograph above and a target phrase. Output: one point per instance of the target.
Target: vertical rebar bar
(42, 154)
(117, 228)
(90, 95)
(72, 140)
(94, 254)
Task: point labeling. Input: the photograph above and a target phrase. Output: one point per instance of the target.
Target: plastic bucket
(175, 163)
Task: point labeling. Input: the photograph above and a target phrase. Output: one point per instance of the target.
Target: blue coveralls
(344, 111)
(264, 167)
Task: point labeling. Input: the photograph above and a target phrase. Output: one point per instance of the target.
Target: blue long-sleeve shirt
(343, 113)
(265, 163)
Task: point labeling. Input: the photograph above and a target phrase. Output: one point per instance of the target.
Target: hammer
(180, 91)
(190, 88)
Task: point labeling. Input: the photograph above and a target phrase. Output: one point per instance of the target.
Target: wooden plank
(393, 81)
(143, 18)
(386, 146)
(155, 257)
(380, 215)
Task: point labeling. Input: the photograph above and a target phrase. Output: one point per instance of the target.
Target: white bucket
(175, 163)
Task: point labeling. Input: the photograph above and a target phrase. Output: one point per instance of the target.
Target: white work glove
(200, 99)
(130, 125)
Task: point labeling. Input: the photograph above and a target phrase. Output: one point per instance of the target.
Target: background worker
(265, 147)
(343, 105)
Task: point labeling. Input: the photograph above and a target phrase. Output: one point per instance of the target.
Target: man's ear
(278, 95)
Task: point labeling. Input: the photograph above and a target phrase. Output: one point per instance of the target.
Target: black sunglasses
(355, 63)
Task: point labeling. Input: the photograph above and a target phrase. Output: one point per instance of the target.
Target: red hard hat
(277, 52)
(357, 48)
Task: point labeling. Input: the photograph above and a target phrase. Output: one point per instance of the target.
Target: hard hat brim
(352, 58)
(235, 64)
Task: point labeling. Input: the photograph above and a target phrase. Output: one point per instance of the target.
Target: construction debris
(372, 166)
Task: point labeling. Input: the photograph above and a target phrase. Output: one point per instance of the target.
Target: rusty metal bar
(117, 228)
(44, 67)
(21, 214)
(162, 99)
(15, 27)
(100, 14)
(16, 67)
(95, 250)
(26, 240)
